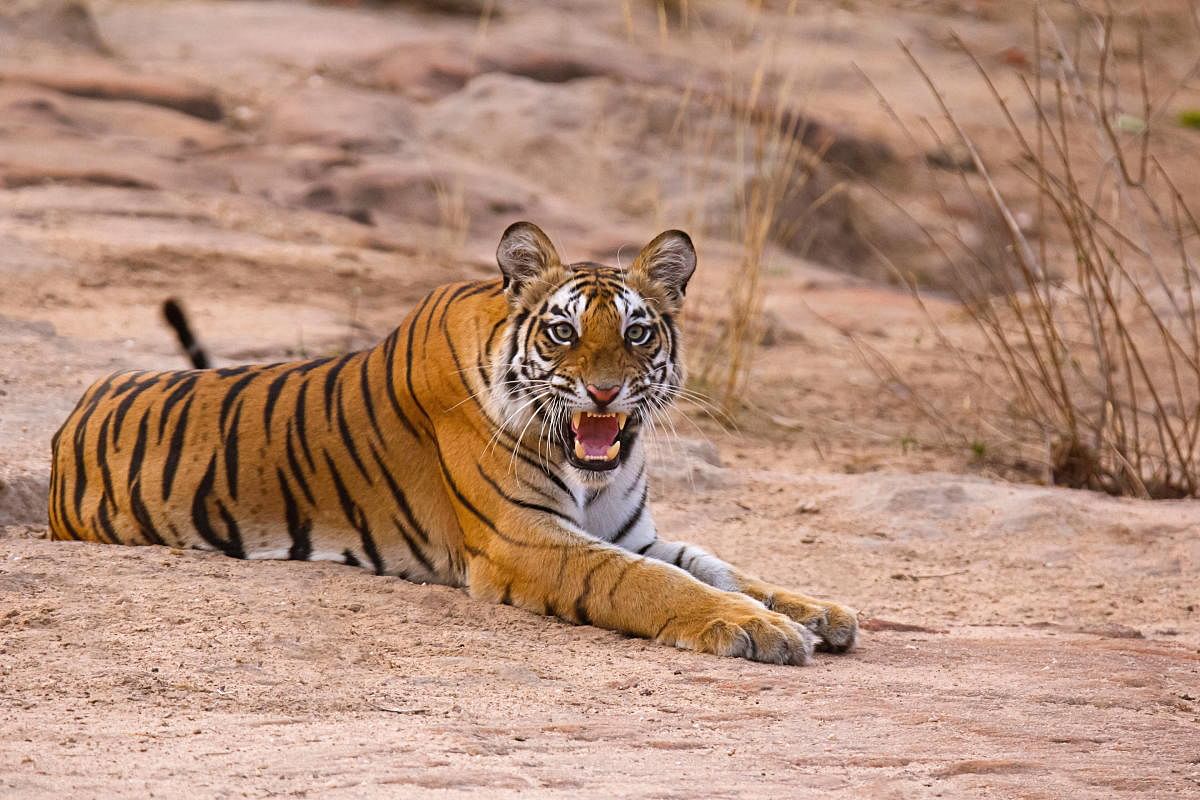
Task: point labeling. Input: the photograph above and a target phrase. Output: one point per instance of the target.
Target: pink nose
(603, 395)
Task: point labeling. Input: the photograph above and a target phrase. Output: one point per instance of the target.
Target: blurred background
(947, 276)
(299, 173)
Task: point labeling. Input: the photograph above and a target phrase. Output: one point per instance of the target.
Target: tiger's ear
(668, 262)
(525, 253)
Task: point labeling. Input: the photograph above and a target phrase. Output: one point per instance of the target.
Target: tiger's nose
(603, 395)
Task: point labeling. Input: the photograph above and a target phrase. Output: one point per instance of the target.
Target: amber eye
(638, 334)
(562, 332)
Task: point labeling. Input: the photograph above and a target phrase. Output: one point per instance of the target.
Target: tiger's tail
(173, 314)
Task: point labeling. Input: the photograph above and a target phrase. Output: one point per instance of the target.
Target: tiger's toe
(835, 625)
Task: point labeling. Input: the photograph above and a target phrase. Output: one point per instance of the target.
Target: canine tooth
(578, 415)
(579, 451)
(612, 451)
(621, 420)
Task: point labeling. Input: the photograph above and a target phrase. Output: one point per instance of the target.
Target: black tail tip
(173, 313)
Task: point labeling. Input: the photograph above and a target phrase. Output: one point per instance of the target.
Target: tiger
(494, 441)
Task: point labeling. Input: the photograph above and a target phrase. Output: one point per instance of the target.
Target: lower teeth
(582, 455)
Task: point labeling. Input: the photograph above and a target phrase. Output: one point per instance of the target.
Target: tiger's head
(591, 353)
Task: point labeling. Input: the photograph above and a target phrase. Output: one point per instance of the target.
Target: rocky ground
(301, 174)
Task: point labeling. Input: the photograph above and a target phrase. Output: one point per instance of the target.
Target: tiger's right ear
(524, 255)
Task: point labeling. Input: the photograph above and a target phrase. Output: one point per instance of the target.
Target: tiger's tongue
(597, 434)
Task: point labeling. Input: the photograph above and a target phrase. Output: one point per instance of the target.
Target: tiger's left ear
(669, 262)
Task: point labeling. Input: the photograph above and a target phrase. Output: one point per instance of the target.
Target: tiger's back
(269, 461)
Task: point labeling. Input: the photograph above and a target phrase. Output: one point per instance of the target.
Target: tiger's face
(592, 353)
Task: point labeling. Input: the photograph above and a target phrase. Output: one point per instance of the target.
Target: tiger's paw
(752, 632)
(837, 626)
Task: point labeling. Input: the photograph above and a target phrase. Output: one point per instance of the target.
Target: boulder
(336, 116)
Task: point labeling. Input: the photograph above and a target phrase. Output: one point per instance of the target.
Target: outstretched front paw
(837, 626)
(745, 630)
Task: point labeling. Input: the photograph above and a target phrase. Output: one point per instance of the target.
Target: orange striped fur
(472, 447)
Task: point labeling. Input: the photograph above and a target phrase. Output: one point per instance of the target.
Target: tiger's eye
(562, 332)
(638, 334)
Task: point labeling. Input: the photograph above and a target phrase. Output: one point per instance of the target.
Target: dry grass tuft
(1091, 362)
(748, 119)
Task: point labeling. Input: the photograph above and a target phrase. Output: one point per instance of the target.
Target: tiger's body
(480, 445)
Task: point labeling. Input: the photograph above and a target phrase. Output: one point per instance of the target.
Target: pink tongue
(596, 434)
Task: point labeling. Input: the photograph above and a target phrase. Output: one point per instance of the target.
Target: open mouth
(595, 439)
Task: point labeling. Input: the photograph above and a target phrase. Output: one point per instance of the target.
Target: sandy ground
(271, 164)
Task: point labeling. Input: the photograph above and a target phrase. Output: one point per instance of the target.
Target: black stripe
(348, 440)
(294, 465)
(523, 503)
(400, 498)
(117, 391)
(525, 453)
(93, 396)
(299, 530)
(102, 461)
(458, 367)
(106, 523)
(185, 383)
(238, 387)
(64, 518)
(467, 504)
(485, 373)
(641, 473)
(274, 389)
(126, 403)
(581, 614)
(414, 548)
(232, 545)
(515, 336)
(465, 290)
(231, 453)
(331, 384)
(489, 286)
(139, 451)
(175, 450)
(616, 584)
(364, 384)
(234, 538)
(356, 517)
(79, 440)
(408, 357)
(633, 519)
(641, 551)
(389, 371)
(137, 505)
(301, 422)
(349, 559)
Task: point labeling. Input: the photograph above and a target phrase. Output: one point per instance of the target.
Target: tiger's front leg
(544, 566)
(836, 625)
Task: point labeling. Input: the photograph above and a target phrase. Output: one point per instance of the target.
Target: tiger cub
(492, 441)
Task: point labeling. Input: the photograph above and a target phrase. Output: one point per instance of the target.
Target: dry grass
(751, 113)
(1091, 357)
